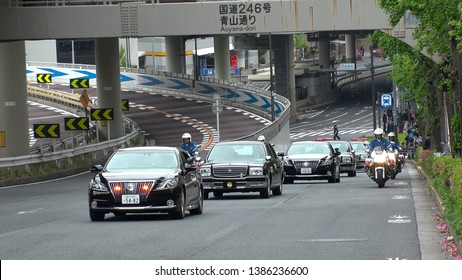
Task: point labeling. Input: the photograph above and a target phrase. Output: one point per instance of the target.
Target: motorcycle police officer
(188, 145)
(378, 141)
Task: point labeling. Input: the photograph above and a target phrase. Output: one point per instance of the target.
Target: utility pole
(374, 94)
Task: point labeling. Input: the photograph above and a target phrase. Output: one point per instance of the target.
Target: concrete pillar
(350, 48)
(324, 50)
(175, 54)
(222, 63)
(14, 114)
(108, 84)
(283, 49)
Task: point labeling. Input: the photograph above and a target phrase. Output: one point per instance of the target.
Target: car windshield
(142, 160)
(237, 153)
(307, 149)
(342, 147)
(359, 147)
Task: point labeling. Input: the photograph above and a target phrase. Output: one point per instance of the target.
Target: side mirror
(96, 168)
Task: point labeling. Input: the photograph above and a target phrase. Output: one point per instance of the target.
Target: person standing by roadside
(336, 137)
(385, 121)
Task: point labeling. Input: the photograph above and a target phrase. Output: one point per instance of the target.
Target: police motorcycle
(397, 159)
(379, 166)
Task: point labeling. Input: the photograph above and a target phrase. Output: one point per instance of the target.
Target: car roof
(240, 142)
(310, 142)
(148, 148)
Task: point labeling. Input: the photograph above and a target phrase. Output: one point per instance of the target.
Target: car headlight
(327, 161)
(256, 171)
(168, 184)
(206, 172)
(97, 185)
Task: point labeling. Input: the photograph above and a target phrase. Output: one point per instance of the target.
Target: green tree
(300, 43)
(122, 57)
(438, 34)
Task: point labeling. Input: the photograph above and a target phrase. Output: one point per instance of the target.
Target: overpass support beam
(350, 48)
(222, 63)
(108, 84)
(283, 49)
(324, 50)
(14, 114)
(175, 54)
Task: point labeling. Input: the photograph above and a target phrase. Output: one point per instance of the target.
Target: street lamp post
(271, 77)
(217, 108)
(374, 94)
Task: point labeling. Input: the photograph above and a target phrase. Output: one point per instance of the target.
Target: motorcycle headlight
(97, 185)
(206, 172)
(256, 171)
(168, 184)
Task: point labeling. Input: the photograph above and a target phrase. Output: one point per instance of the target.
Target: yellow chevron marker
(70, 123)
(107, 114)
(52, 132)
(39, 131)
(95, 114)
(82, 123)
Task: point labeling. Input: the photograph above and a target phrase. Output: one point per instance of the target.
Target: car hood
(128, 176)
(307, 157)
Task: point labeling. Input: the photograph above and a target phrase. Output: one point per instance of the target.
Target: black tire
(179, 212)
(288, 180)
(217, 194)
(380, 180)
(97, 216)
(278, 190)
(266, 192)
(200, 207)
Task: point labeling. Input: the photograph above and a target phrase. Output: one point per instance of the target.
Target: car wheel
(288, 180)
(278, 190)
(217, 194)
(200, 205)
(97, 216)
(266, 192)
(179, 212)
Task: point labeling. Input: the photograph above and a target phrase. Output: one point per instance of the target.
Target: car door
(276, 165)
(191, 179)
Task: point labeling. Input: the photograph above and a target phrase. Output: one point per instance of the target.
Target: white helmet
(378, 131)
(186, 135)
(391, 134)
(261, 138)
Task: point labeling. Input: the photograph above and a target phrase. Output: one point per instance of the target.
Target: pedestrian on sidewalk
(336, 137)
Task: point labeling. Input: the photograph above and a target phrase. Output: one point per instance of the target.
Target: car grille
(130, 187)
(230, 171)
(313, 164)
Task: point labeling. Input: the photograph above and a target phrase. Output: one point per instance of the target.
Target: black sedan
(242, 166)
(348, 157)
(311, 160)
(146, 179)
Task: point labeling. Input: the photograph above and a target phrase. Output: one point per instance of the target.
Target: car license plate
(130, 199)
(305, 170)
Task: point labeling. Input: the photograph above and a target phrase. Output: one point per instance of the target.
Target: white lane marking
(30, 211)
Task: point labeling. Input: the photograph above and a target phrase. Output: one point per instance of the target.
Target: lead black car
(146, 179)
(242, 166)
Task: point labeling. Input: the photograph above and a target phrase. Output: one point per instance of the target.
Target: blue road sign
(385, 100)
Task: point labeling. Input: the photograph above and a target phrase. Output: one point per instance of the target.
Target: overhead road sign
(347, 67)
(46, 130)
(77, 123)
(102, 114)
(125, 105)
(79, 83)
(44, 78)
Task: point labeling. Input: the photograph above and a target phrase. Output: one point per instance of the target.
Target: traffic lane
(311, 220)
(43, 114)
(234, 123)
(353, 220)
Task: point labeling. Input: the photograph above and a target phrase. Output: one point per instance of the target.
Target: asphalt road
(350, 220)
